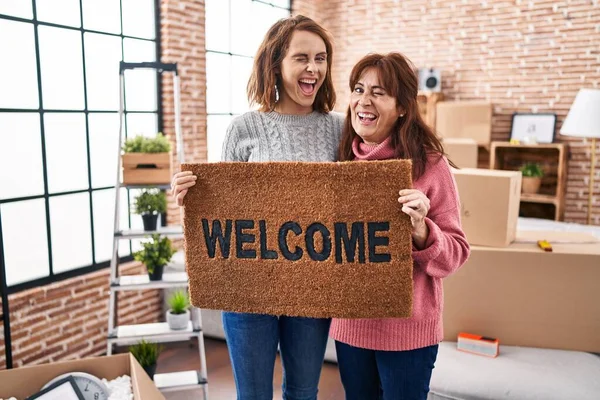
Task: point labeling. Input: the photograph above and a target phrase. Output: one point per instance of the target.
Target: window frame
(40, 111)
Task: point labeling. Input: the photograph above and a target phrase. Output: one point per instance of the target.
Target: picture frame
(533, 127)
(64, 389)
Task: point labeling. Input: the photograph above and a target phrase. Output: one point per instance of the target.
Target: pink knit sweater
(445, 251)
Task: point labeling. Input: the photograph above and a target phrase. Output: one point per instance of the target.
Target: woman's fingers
(180, 196)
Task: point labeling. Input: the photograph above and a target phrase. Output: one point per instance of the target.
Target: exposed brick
(523, 56)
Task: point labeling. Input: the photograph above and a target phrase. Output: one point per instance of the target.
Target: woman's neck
(287, 106)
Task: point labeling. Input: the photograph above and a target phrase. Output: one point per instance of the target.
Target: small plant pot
(530, 184)
(150, 370)
(163, 219)
(157, 274)
(150, 221)
(178, 321)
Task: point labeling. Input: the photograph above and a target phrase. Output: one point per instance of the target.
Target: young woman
(291, 82)
(394, 358)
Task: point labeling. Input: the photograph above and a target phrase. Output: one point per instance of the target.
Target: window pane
(280, 3)
(123, 222)
(263, 17)
(142, 124)
(71, 232)
(140, 90)
(66, 152)
(21, 145)
(241, 67)
(218, 83)
(217, 25)
(62, 12)
(243, 27)
(138, 18)
(136, 220)
(217, 126)
(19, 76)
(62, 72)
(102, 15)
(104, 218)
(16, 8)
(102, 56)
(136, 50)
(25, 240)
(104, 137)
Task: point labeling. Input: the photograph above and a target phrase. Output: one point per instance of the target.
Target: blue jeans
(388, 375)
(252, 341)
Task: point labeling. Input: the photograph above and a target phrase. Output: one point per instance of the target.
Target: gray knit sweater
(270, 136)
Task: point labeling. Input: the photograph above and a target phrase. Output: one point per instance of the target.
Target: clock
(91, 387)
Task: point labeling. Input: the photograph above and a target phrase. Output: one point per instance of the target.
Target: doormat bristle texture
(300, 239)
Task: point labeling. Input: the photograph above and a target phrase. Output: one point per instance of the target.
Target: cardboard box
(465, 119)
(489, 205)
(26, 381)
(461, 151)
(524, 296)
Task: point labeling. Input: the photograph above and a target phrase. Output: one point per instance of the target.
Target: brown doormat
(300, 239)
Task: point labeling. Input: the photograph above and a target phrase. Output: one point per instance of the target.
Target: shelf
(156, 333)
(539, 198)
(171, 230)
(175, 381)
(557, 146)
(141, 282)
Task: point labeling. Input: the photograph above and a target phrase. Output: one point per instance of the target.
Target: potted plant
(178, 313)
(532, 177)
(147, 160)
(155, 254)
(147, 355)
(149, 204)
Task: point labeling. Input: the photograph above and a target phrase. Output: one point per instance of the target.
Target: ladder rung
(182, 380)
(152, 65)
(175, 230)
(140, 282)
(156, 332)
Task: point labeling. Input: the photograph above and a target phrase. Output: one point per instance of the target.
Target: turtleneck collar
(381, 151)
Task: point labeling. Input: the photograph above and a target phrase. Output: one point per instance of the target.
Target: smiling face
(373, 110)
(302, 73)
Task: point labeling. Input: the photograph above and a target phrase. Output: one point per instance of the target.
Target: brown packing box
(524, 296)
(461, 151)
(465, 119)
(27, 381)
(489, 205)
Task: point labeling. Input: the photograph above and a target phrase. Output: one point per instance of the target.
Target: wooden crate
(147, 168)
(427, 102)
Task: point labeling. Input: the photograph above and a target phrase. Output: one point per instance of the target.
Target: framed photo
(533, 128)
(64, 389)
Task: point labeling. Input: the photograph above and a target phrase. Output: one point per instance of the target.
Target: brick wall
(182, 40)
(523, 56)
(69, 319)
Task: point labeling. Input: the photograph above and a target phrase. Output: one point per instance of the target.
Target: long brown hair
(411, 137)
(270, 54)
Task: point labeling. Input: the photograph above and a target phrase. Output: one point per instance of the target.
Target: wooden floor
(183, 356)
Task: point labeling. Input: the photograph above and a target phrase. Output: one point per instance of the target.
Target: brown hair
(411, 137)
(270, 54)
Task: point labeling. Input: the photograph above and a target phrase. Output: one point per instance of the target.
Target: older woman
(395, 357)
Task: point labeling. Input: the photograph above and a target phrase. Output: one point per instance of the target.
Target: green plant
(145, 353)
(142, 144)
(155, 253)
(532, 170)
(151, 201)
(178, 302)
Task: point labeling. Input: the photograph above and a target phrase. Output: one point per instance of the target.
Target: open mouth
(307, 86)
(366, 117)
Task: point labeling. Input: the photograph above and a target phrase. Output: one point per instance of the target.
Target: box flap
(26, 381)
(143, 387)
